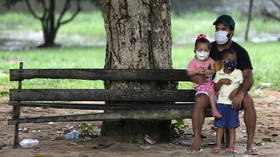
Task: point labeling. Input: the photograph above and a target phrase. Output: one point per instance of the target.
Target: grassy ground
(184, 28)
(264, 55)
(265, 58)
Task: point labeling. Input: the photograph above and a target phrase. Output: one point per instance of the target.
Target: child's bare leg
(212, 98)
(232, 137)
(219, 135)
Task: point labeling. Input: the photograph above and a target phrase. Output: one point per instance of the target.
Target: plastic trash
(72, 135)
(211, 143)
(29, 143)
(66, 129)
(185, 143)
(23, 130)
(149, 139)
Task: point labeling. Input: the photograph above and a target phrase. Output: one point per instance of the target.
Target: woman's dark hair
(202, 39)
(228, 51)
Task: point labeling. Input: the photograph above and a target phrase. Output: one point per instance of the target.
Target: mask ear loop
(228, 35)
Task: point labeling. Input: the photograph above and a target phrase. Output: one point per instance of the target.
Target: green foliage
(81, 25)
(86, 130)
(10, 3)
(178, 128)
(18, 21)
(179, 123)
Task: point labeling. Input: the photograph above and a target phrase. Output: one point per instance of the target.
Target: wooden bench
(59, 98)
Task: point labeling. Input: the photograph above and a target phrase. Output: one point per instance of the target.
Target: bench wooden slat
(104, 107)
(102, 74)
(137, 114)
(101, 95)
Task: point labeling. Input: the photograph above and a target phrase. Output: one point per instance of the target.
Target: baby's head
(202, 47)
(229, 59)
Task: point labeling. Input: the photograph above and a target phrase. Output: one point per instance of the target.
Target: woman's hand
(233, 94)
(198, 79)
(225, 81)
(237, 100)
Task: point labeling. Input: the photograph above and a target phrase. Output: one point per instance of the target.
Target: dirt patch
(267, 136)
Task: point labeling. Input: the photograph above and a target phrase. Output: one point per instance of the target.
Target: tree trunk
(49, 28)
(249, 19)
(50, 23)
(138, 37)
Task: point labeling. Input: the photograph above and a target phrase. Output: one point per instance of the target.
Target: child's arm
(199, 71)
(218, 85)
(211, 70)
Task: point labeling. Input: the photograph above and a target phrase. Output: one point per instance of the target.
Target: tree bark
(50, 34)
(272, 15)
(138, 37)
(249, 19)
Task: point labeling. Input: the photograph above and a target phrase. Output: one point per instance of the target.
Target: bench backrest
(152, 95)
(101, 74)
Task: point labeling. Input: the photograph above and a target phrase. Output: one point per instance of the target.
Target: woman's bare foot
(196, 146)
(251, 151)
(191, 150)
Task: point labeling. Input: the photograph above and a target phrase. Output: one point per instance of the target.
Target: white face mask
(202, 55)
(221, 37)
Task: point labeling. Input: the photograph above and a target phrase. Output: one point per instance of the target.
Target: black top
(243, 59)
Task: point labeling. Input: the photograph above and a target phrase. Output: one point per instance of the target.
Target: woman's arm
(218, 85)
(192, 73)
(199, 71)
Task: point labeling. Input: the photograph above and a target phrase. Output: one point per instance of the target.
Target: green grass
(52, 58)
(184, 28)
(12, 20)
(265, 58)
(86, 24)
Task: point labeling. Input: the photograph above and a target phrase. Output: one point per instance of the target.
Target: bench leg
(16, 113)
(16, 110)
(16, 136)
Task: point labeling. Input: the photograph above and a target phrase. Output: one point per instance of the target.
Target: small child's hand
(201, 71)
(226, 81)
(208, 72)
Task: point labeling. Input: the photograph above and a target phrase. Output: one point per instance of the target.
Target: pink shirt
(196, 64)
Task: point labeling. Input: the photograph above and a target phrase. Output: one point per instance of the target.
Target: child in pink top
(202, 64)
